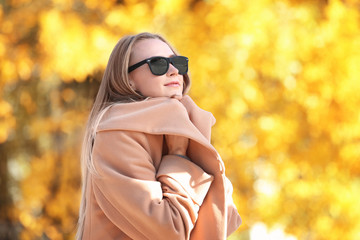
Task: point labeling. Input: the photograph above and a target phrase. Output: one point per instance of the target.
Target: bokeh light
(281, 77)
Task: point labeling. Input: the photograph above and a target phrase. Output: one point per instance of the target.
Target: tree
(281, 77)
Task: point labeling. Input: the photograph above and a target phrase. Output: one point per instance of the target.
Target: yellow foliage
(281, 78)
(7, 120)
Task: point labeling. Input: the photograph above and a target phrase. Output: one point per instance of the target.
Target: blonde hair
(114, 88)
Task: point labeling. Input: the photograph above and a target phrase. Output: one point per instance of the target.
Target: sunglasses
(160, 65)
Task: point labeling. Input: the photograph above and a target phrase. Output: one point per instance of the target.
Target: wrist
(177, 152)
(183, 156)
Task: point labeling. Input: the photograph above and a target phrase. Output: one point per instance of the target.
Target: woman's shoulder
(142, 115)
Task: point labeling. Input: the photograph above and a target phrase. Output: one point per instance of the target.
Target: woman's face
(168, 85)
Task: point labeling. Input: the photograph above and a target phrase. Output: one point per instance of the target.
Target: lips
(173, 84)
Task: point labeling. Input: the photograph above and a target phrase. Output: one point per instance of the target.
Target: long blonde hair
(114, 88)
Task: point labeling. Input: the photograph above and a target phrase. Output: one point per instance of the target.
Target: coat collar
(160, 115)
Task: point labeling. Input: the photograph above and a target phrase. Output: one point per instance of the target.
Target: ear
(132, 84)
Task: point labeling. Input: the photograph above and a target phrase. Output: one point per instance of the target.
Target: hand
(176, 144)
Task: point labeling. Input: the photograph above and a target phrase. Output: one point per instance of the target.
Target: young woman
(149, 170)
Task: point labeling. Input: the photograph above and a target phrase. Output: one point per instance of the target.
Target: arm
(141, 202)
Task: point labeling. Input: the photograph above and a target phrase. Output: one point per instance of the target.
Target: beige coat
(140, 192)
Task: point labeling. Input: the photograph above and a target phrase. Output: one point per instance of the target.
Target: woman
(149, 170)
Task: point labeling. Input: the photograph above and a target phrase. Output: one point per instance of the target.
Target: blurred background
(281, 77)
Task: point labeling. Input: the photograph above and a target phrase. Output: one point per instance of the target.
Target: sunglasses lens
(181, 63)
(158, 66)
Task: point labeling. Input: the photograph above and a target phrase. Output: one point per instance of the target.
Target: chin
(175, 94)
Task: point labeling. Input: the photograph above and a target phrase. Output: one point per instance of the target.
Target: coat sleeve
(233, 218)
(142, 202)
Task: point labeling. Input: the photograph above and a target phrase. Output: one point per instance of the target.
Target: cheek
(150, 86)
(139, 78)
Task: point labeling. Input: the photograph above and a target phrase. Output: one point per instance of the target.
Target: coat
(141, 192)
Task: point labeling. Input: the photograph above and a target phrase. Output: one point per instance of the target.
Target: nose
(172, 71)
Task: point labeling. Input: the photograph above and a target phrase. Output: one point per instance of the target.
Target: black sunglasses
(160, 65)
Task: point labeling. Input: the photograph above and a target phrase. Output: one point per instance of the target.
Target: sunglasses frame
(168, 60)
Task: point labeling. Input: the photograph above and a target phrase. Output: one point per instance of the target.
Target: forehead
(148, 48)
